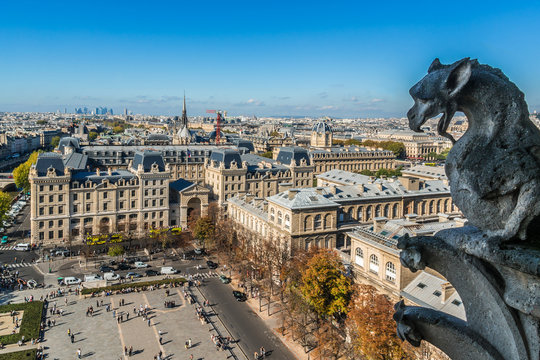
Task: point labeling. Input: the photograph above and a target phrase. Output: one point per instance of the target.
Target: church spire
(184, 115)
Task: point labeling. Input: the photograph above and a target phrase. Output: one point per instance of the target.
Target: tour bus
(176, 230)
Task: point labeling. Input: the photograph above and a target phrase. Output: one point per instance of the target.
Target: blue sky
(265, 58)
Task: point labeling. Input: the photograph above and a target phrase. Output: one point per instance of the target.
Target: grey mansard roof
(322, 127)
(75, 161)
(286, 154)
(226, 156)
(49, 160)
(302, 199)
(68, 141)
(147, 159)
(83, 176)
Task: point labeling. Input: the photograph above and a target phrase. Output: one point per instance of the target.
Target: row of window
(280, 222)
(51, 235)
(317, 222)
(390, 268)
(51, 223)
(51, 210)
(59, 198)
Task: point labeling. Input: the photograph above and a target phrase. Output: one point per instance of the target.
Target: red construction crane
(218, 123)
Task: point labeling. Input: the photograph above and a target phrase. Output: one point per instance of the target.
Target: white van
(110, 276)
(22, 247)
(70, 280)
(92, 277)
(168, 270)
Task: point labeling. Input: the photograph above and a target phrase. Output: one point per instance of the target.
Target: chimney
(333, 189)
(284, 186)
(360, 188)
(460, 222)
(292, 193)
(97, 172)
(447, 291)
(378, 223)
(410, 183)
(249, 197)
(411, 217)
(110, 171)
(319, 190)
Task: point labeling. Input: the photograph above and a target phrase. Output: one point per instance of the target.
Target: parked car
(224, 279)
(71, 280)
(92, 277)
(4, 239)
(140, 265)
(168, 270)
(32, 284)
(123, 266)
(134, 274)
(211, 264)
(150, 272)
(111, 276)
(240, 296)
(198, 251)
(105, 268)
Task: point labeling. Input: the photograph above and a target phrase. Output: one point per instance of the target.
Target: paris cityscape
(280, 181)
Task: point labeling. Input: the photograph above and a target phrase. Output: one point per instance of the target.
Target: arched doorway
(193, 210)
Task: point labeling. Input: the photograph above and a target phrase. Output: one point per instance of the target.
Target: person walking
(79, 353)
(130, 350)
(69, 332)
(148, 322)
(189, 343)
(160, 340)
(72, 338)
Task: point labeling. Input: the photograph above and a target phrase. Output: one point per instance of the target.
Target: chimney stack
(447, 291)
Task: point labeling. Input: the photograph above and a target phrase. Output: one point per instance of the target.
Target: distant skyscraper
(125, 111)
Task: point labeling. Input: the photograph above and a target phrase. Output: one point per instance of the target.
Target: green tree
(116, 250)
(367, 172)
(55, 141)
(267, 154)
(92, 135)
(118, 129)
(324, 286)
(204, 230)
(42, 122)
(20, 174)
(5, 202)
(353, 142)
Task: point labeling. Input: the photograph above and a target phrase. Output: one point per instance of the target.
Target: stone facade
(69, 204)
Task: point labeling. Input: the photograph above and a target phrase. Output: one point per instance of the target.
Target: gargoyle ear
(458, 77)
(435, 65)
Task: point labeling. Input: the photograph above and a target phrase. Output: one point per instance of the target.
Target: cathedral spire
(184, 115)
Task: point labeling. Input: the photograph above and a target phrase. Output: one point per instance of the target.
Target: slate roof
(226, 156)
(244, 144)
(286, 154)
(304, 198)
(75, 161)
(83, 176)
(436, 172)
(425, 295)
(68, 141)
(180, 184)
(147, 159)
(47, 160)
(322, 127)
(161, 137)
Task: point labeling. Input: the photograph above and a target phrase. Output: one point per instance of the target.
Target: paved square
(101, 336)
(7, 325)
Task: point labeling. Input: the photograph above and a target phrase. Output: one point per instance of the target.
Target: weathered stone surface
(494, 173)
(494, 169)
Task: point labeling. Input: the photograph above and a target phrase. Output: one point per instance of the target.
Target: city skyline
(316, 59)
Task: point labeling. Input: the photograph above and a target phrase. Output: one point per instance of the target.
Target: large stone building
(321, 216)
(321, 135)
(69, 203)
(229, 173)
(351, 158)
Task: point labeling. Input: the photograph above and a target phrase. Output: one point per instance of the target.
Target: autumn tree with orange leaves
(371, 327)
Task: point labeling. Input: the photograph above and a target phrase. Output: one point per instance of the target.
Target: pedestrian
(69, 332)
(160, 332)
(160, 340)
(148, 322)
(127, 316)
(263, 352)
(79, 353)
(256, 356)
(130, 350)
(72, 338)
(125, 350)
(189, 343)
(97, 303)
(191, 357)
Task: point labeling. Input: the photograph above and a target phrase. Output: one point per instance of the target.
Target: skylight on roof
(456, 302)
(437, 293)
(421, 285)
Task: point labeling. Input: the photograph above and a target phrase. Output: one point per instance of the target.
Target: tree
(330, 342)
(275, 134)
(267, 154)
(5, 202)
(371, 326)
(20, 174)
(324, 286)
(204, 230)
(118, 129)
(42, 122)
(55, 141)
(92, 135)
(116, 250)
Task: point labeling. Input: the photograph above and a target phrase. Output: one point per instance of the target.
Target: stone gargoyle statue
(494, 169)
(494, 175)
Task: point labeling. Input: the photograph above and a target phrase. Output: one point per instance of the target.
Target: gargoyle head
(410, 255)
(405, 329)
(436, 94)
